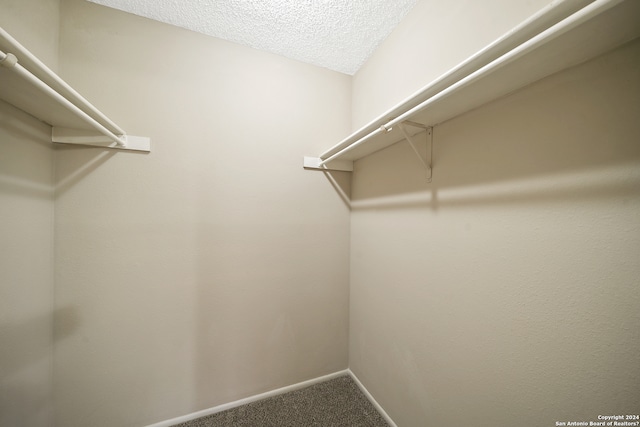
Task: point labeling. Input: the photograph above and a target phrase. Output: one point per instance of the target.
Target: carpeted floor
(337, 402)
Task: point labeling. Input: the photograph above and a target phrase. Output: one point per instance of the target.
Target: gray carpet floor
(337, 402)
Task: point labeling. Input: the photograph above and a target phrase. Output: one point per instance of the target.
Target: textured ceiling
(335, 34)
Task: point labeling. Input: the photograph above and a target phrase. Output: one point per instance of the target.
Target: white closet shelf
(29, 85)
(558, 37)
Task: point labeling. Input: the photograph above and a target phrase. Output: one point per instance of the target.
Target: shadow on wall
(559, 138)
(80, 161)
(19, 349)
(24, 138)
(25, 146)
(19, 126)
(341, 182)
(25, 354)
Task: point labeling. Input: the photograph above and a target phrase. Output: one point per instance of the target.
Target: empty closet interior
(189, 223)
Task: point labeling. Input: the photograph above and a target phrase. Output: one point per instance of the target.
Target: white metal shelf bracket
(84, 137)
(334, 165)
(424, 154)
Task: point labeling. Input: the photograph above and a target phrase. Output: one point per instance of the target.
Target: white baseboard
(231, 405)
(386, 416)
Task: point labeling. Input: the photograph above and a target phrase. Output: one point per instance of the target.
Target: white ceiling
(335, 34)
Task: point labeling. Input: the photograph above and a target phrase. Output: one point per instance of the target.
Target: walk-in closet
(436, 227)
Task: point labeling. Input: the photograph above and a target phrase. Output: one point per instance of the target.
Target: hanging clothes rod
(567, 24)
(36, 67)
(10, 61)
(536, 23)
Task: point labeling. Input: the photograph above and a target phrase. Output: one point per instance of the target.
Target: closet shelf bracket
(424, 152)
(334, 165)
(63, 135)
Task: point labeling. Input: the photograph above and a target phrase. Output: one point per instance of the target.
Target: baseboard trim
(231, 405)
(373, 401)
(235, 404)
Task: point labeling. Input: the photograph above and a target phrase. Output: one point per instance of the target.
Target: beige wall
(506, 291)
(35, 24)
(26, 233)
(26, 269)
(215, 267)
